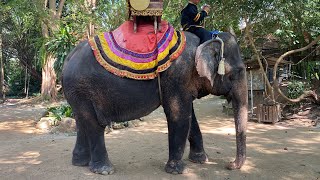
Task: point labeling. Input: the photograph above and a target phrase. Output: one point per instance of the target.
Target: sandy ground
(281, 151)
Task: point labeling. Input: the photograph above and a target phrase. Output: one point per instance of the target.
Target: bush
(60, 112)
(295, 89)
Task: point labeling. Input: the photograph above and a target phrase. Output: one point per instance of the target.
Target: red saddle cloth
(138, 55)
(143, 41)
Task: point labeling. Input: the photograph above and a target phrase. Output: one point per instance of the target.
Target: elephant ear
(205, 60)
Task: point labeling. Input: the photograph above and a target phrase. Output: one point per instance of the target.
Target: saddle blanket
(141, 55)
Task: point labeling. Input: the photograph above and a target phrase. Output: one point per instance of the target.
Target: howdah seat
(145, 8)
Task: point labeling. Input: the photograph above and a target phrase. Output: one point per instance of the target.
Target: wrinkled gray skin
(98, 97)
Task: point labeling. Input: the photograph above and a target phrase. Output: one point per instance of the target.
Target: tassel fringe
(221, 68)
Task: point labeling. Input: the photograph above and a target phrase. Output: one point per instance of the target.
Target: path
(274, 151)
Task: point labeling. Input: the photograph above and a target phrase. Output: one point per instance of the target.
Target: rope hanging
(221, 67)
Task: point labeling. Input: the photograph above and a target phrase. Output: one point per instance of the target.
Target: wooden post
(251, 92)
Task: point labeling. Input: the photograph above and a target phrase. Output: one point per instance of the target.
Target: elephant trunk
(240, 108)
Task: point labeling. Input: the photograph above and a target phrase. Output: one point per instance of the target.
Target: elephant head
(232, 84)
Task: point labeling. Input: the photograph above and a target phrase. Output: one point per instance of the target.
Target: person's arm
(195, 15)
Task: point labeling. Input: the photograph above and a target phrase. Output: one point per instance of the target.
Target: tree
(62, 43)
(20, 41)
(110, 14)
(2, 93)
(171, 13)
(50, 25)
(63, 23)
(91, 6)
(306, 94)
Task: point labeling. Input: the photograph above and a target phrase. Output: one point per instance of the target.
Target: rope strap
(221, 67)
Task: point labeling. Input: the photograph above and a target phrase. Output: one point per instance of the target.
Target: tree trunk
(91, 4)
(2, 93)
(248, 29)
(48, 86)
(306, 94)
(31, 70)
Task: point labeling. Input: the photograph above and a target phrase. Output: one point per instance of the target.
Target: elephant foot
(235, 165)
(176, 167)
(200, 157)
(80, 160)
(101, 168)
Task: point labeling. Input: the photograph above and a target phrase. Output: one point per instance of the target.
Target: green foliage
(295, 89)
(110, 14)
(172, 11)
(60, 112)
(294, 23)
(307, 69)
(21, 33)
(15, 78)
(76, 16)
(296, 20)
(61, 44)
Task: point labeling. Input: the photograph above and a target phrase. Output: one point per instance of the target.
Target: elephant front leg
(240, 107)
(178, 117)
(197, 153)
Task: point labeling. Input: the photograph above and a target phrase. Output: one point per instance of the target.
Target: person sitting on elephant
(192, 20)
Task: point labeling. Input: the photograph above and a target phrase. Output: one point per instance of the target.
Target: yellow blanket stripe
(116, 71)
(148, 76)
(133, 65)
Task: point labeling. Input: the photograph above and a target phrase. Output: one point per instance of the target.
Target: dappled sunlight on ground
(248, 167)
(221, 130)
(26, 157)
(273, 151)
(271, 148)
(27, 126)
(19, 163)
(19, 119)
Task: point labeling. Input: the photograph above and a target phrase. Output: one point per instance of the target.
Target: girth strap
(159, 85)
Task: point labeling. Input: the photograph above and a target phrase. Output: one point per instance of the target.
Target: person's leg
(203, 34)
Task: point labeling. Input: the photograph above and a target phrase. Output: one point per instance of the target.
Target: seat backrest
(145, 7)
(139, 5)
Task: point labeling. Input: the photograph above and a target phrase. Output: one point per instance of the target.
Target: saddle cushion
(139, 55)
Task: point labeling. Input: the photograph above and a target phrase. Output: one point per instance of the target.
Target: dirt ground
(287, 150)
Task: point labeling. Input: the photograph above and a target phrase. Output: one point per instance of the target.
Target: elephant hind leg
(81, 152)
(178, 111)
(197, 153)
(90, 138)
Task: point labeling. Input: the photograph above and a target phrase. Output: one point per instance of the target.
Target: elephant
(99, 97)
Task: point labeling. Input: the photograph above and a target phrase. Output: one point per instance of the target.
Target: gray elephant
(99, 97)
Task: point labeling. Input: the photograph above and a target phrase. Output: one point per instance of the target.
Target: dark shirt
(190, 17)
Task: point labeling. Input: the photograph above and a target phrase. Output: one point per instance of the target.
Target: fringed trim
(125, 73)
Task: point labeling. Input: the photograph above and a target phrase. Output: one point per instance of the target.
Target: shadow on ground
(274, 151)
